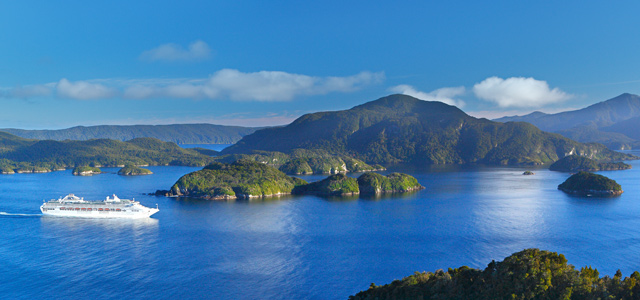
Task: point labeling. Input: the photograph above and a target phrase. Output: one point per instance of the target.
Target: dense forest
(529, 274)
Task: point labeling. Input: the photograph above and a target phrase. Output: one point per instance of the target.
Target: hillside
(25, 155)
(176, 133)
(601, 122)
(400, 128)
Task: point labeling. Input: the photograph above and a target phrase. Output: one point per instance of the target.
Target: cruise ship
(73, 206)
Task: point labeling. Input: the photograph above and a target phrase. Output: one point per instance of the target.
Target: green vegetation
(575, 163)
(585, 183)
(334, 185)
(400, 128)
(23, 155)
(86, 171)
(240, 179)
(302, 161)
(176, 133)
(529, 274)
(367, 183)
(131, 170)
(373, 183)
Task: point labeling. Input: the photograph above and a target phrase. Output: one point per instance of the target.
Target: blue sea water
(300, 247)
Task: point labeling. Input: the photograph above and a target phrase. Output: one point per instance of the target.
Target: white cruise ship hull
(100, 214)
(72, 206)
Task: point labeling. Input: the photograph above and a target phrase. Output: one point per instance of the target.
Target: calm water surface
(300, 247)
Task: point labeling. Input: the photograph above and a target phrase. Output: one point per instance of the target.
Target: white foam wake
(2, 213)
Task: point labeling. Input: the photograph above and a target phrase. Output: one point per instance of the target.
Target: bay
(303, 247)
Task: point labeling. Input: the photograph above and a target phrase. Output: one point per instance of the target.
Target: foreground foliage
(529, 274)
(575, 163)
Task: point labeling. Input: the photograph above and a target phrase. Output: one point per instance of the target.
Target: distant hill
(176, 133)
(22, 155)
(596, 123)
(400, 128)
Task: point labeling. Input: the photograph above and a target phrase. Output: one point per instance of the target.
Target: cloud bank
(223, 84)
(446, 95)
(518, 92)
(197, 51)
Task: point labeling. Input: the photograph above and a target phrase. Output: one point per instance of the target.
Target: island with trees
(590, 184)
(245, 179)
(86, 171)
(576, 163)
(132, 170)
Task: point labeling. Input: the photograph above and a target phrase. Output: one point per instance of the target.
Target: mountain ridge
(200, 133)
(400, 128)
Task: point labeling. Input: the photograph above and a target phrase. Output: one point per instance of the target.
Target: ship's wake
(2, 213)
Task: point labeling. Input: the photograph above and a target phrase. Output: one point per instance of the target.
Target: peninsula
(576, 163)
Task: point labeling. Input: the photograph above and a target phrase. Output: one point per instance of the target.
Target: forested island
(586, 183)
(403, 129)
(529, 274)
(576, 163)
(131, 170)
(241, 179)
(245, 179)
(86, 171)
(19, 155)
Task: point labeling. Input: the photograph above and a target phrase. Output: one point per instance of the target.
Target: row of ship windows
(90, 209)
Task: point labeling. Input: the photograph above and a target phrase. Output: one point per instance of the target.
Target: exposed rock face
(373, 183)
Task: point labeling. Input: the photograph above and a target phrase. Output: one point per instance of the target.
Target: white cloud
(197, 51)
(257, 86)
(83, 90)
(445, 95)
(518, 92)
(224, 84)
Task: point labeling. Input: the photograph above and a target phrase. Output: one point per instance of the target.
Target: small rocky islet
(590, 184)
(131, 170)
(245, 179)
(86, 171)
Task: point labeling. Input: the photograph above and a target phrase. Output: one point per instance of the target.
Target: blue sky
(253, 63)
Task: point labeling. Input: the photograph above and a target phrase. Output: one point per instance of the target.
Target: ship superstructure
(73, 206)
